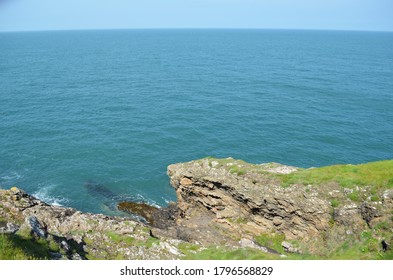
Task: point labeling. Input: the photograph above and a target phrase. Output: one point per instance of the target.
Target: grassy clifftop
(378, 175)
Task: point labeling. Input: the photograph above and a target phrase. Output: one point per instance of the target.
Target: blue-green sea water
(88, 118)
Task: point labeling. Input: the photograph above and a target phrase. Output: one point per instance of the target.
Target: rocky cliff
(251, 203)
(239, 200)
(270, 208)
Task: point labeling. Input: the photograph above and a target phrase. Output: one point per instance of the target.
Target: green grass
(365, 246)
(237, 170)
(129, 240)
(354, 196)
(150, 242)
(222, 253)
(188, 248)
(272, 241)
(383, 226)
(376, 174)
(9, 251)
(16, 247)
(234, 166)
(117, 238)
(334, 203)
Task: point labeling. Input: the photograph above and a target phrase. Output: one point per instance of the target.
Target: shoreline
(269, 210)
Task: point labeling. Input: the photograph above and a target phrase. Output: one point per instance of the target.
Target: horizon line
(191, 28)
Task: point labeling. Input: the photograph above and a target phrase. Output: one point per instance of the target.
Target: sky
(29, 15)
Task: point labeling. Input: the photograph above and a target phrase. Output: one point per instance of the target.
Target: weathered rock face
(240, 200)
(250, 204)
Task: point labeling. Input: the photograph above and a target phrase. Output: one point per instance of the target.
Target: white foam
(44, 194)
(166, 200)
(148, 201)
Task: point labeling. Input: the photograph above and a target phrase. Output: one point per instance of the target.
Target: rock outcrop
(238, 200)
(223, 202)
(248, 204)
(81, 235)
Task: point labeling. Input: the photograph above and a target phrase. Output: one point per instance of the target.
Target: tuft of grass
(272, 241)
(117, 238)
(378, 174)
(386, 255)
(235, 169)
(151, 241)
(334, 203)
(389, 183)
(53, 246)
(188, 249)
(382, 226)
(354, 196)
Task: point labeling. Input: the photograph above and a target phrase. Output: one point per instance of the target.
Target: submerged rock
(161, 218)
(144, 210)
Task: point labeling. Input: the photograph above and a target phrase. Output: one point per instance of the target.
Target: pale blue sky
(18, 15)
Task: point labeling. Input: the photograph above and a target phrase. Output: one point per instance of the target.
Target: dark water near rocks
(91, 117)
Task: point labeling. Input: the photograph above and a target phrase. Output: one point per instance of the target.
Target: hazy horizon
(195, 28)
(46, 15)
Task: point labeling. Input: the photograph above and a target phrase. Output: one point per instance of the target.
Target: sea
(91, 118)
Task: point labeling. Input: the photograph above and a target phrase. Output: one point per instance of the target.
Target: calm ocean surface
(88, 118)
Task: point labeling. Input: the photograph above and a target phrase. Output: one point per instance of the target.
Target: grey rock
(368, 212)
(64, 245)
(289, 248)
(9, 228)
(76, 256)
(56, 256)
(247, 243)
(348, 215)
(387, 195)
(37, 228)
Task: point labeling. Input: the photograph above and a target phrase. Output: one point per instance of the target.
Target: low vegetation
(17, 247)
(375, 174)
